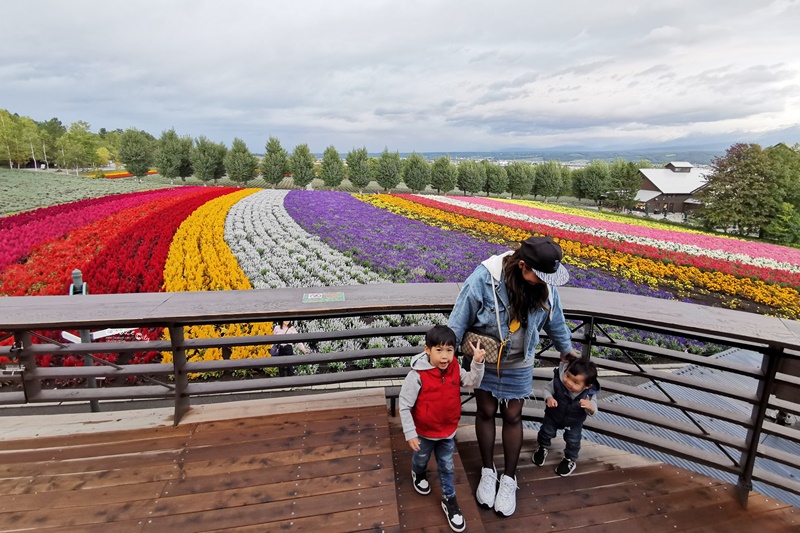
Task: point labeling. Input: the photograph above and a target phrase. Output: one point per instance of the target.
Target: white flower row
(623, 237)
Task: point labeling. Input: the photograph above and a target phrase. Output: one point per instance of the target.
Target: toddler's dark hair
(440, 336)
(585, 368)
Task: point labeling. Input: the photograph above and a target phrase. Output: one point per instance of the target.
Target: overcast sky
(448, 75)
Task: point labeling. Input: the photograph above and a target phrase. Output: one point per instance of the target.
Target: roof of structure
(670, 182)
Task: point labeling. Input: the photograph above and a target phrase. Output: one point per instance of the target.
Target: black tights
(485, 428)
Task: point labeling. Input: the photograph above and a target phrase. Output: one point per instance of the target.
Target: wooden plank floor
(330, 462)
(326, 466)
(613, 491)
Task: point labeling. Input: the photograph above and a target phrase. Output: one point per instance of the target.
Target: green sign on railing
(319, 297)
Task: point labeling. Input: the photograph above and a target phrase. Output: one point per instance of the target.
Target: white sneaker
(506, 502)
(487, 488)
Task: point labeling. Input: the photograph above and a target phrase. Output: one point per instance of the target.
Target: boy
(430, 409)
(569, 397)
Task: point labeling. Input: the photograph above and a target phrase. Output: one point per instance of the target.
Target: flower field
(222, 238)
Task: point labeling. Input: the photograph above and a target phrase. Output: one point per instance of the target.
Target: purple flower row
(403, 250)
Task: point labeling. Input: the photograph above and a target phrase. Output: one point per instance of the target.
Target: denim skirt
(511, 384)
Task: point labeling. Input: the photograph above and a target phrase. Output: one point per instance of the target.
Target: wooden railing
(592, 312)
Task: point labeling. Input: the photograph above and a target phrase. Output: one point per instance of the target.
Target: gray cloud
(450, 75)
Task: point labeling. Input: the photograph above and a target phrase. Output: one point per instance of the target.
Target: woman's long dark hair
(522, 295)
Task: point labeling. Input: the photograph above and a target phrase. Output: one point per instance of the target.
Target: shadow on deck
(331, 462)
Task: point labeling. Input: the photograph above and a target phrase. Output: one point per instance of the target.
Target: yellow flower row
(199, 259)
(785, 300)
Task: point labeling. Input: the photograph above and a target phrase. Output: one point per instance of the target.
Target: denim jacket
(474, 309)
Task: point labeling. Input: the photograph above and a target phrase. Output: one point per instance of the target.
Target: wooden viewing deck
(333, 462)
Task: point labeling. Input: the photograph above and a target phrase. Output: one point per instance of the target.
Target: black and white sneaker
(539, 456)
(454, 517)
(565, 467)
(420, 483)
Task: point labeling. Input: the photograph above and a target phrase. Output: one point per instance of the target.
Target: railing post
(31, 383)
(79, 287)
(181, 376)
(588, 337)
(769, 366)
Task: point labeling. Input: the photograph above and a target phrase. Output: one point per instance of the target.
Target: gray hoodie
(412, 384)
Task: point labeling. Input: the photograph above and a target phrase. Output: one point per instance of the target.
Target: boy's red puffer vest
(438, 408)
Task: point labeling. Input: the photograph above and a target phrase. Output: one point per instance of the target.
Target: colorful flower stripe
(200, 260)
(608, 216)
(632, 248)
(632, 261)
(274, 251)
(123, 174)
(405, 251)
(581, 276)
(20, 233)
(49, 266)
(746, 252)
(408, 249)
(134, 260)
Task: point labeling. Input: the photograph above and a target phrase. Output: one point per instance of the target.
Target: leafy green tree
(137, 152)
(496, 178)
(443, 175)
(31, 140)
(174, 156)
(332, 170)
(595, 180)
(390, 170)
(785, 226)
(471, 177)
(416, 172)
(744, 190)
(240, 165)
(625, 182)
(275, 164)
(103, 156)
(50, 132)
(578, 183)
(548, 179)
(301, 164)
(785, 163)
(566, 182)
(359, 171)
(208, 159)
(13, 146)
(520, 178)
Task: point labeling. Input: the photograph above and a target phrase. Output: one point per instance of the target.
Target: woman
(285, 327)
(522, 286)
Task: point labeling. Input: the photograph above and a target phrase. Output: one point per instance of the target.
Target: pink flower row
(20, 233)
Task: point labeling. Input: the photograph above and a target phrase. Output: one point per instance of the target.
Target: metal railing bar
(675, 332)
(716, 437)
(195, 389)
(764, 476)
(694, 407)
(680, 356)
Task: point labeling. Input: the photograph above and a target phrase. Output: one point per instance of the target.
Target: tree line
(750, 190)
(175, 156)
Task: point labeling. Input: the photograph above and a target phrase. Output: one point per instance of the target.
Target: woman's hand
(570, 356)
(478, 353)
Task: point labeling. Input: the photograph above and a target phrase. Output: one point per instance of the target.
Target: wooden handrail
(591, 310)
